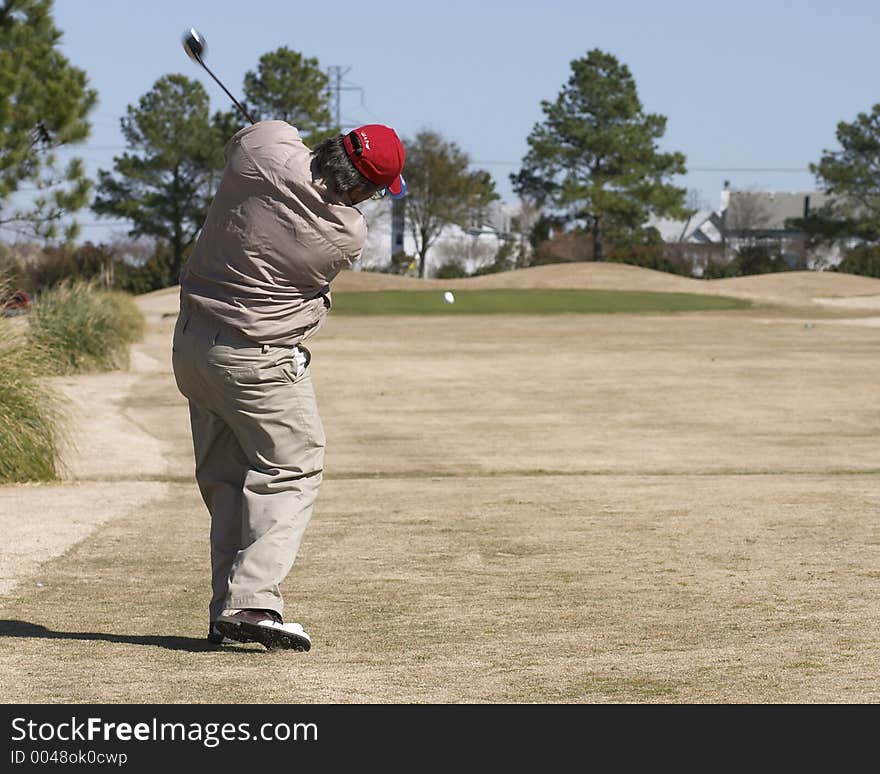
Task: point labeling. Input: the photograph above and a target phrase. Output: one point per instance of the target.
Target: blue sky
(744, 85)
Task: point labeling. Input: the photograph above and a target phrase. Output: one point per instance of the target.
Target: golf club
(196, 47)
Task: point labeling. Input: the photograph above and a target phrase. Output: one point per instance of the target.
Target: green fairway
(527, 302)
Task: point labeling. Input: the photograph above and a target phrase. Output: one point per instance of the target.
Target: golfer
(256, 286)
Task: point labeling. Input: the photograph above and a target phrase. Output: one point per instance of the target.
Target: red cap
(377, 153)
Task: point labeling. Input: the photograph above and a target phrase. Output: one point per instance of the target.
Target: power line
(798, 170)
(90, 148)
(335, 92)
(335, 86)
(95, 224)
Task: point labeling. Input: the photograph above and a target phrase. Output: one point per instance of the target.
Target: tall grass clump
(79, 328)
(32, 424)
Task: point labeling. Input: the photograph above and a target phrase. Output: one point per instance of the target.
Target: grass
(73, 328)
(398, 302)
(31, 422)
(426, 582)
(81, 328)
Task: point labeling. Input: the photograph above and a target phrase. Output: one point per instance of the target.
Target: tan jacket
(273, 240)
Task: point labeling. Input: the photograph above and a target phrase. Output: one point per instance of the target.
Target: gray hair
(331, 163)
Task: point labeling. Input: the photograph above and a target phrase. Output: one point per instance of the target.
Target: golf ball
(448, 297)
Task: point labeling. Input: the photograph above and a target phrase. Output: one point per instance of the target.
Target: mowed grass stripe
(419, 302)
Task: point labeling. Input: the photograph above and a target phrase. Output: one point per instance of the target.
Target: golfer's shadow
(191, 644)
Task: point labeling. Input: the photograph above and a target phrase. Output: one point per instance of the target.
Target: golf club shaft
(237, 103)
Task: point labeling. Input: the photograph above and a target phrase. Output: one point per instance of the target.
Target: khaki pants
(259, 452)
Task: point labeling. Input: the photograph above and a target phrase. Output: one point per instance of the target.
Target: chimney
(725, 196)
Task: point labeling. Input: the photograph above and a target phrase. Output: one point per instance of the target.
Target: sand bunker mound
(851, 302)
(796, 288)
(599, 276)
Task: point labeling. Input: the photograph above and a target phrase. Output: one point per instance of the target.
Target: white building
(472, 247)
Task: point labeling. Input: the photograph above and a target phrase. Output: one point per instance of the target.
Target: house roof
(766, 211)
(746, 211)
(683, 230)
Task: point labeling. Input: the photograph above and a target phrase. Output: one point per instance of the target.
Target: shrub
(504, 260)
(749, 260)
(758, 259)
(129, 320)
(154, 272)
(864, 260)
(13, 273)
(657, 257)
(401, 263)
(79, 328)
(451, 269)
(59, 263)
(563, 247)
(717, 270)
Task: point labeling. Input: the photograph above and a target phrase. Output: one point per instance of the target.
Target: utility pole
(398, 224)
(335, 86)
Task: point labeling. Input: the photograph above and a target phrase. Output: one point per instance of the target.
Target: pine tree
(290, 87)
(851, 175)
(595, 159)
(165, 182)
(44, 104)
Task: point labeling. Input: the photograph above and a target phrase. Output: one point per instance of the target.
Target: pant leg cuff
(255, 603)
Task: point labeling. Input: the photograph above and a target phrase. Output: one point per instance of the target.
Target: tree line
(593, 169)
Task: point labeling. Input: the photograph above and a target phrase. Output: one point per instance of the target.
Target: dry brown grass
(577, 509)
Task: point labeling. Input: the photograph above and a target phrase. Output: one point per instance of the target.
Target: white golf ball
(448, 297)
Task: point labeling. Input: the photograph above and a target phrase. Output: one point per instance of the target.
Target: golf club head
(195, 45)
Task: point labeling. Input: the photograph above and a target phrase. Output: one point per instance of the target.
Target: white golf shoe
(263, 626)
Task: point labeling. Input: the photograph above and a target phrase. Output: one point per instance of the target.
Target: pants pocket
(260, 374)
